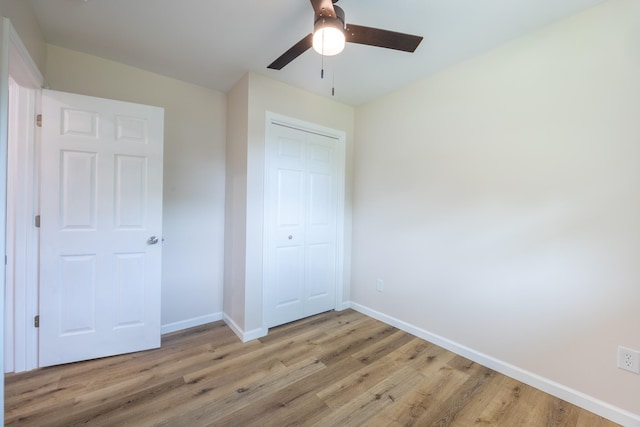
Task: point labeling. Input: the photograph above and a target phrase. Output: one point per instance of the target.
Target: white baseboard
(575, 397)
(343, 305)
(253, 335)
(190, 323)
(244, 336)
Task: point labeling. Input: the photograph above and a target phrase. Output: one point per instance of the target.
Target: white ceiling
(213, 43)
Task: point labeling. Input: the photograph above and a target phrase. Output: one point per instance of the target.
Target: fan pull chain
(333, 84)
(322, 55)
(333, 79)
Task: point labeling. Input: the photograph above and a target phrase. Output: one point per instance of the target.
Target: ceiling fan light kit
(328, 33)
(331, 32)
(328, 37)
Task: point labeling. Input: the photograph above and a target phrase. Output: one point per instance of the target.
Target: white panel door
(101, 227)
(301, 224)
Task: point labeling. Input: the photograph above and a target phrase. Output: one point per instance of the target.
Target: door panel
(289, 279)
(290, 195)
(77, 294)
(129, 289)
(130, 192)
(101, 202)
(78, 197)
(320, 270)
(301, 224)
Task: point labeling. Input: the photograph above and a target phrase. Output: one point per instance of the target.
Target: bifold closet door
(300, 223)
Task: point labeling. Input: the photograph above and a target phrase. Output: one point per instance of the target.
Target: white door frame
(340, 137)
(21, 243)
(15, 62)
(21, 337)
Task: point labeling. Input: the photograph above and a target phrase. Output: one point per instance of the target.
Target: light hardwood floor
(334, 369)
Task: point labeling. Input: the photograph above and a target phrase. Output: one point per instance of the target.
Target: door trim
(22, 239)
(340, 137)
(18, 64)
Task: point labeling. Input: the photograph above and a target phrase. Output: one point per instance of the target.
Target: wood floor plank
(191, 398)
(421, 405)
(368, 404)
(337, 368)
(236, 400)
(298, 346)
(353, 340)
(412, 354)
(21, 394)
(280, 409)
(383, 346)
(329, 321)
(449, 408)
(297, 391)
(488, 407)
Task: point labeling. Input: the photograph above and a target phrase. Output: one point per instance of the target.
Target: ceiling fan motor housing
(338, 21)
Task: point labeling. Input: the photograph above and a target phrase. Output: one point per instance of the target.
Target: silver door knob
(290, 237)
(152, 240)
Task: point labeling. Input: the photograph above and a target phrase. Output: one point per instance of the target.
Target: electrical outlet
(380, 285)
(629, 359)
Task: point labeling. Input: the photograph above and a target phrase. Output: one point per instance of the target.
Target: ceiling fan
(330, 34)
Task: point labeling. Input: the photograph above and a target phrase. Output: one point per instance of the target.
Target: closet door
(300, 224)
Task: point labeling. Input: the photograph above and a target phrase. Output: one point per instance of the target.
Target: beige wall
(194, 168)
(268, 95)
(500, 203)
(24, 21)
(236, 202)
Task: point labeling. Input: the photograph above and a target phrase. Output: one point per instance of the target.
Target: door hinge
(36, 321)
(37, 221)
(39, 120)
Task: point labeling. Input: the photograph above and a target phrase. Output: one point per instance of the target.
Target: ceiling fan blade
(382, 38)
(323, 8)
(295, 51)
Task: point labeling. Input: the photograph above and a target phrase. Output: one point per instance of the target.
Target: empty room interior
(465, 172)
